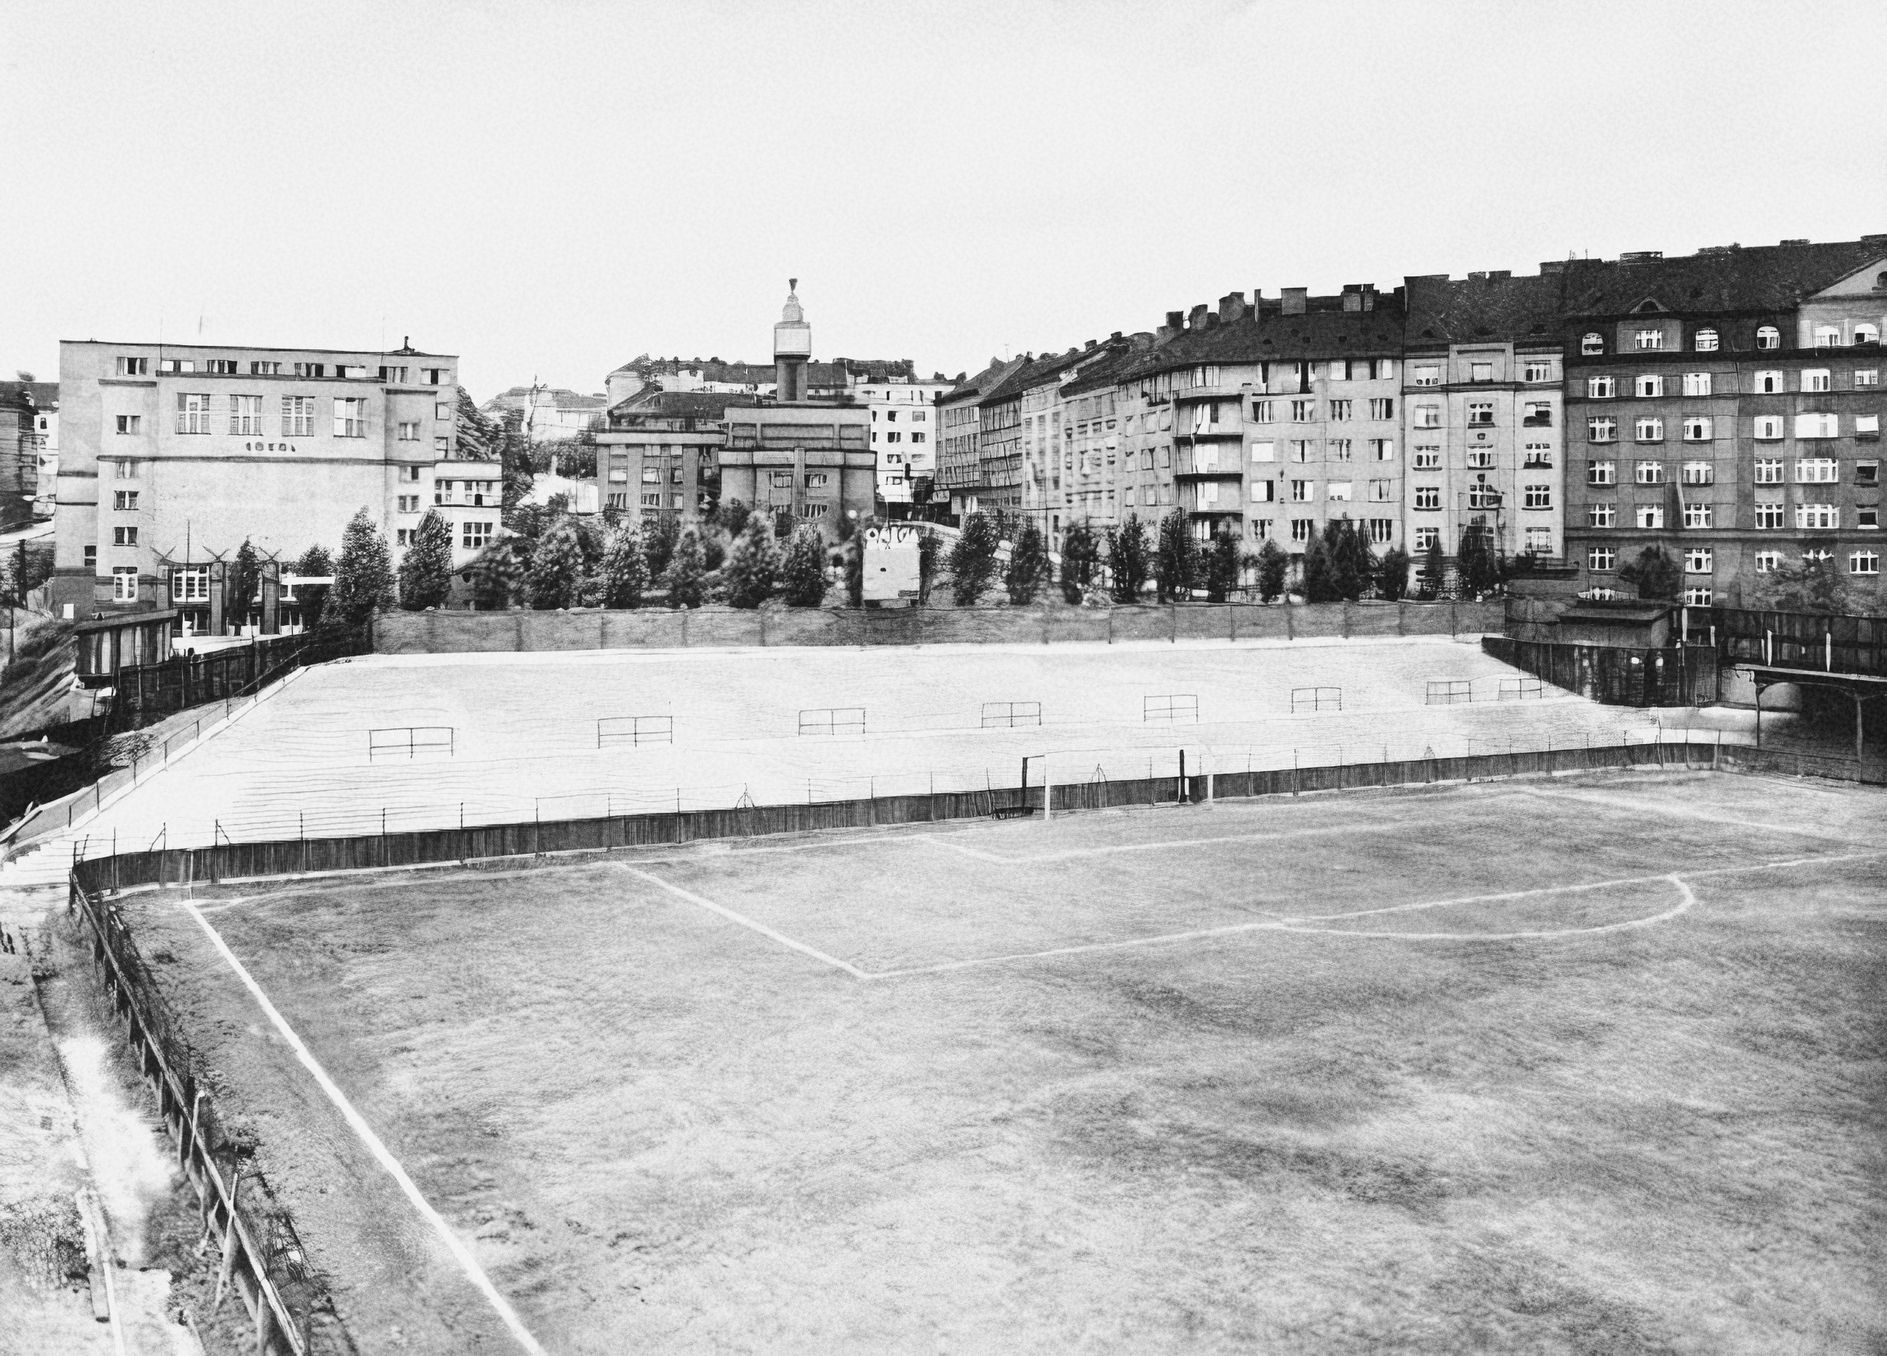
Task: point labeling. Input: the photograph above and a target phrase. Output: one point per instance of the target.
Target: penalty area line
(384, 1156)
(754, 925)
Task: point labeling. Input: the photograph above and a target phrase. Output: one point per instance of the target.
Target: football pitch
(1574, 1064)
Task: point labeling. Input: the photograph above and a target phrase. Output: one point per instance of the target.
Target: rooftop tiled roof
(1482, 307)
(1728, 280)
(662, 404)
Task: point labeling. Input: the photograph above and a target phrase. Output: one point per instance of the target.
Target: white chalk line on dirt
(358, 1123)
(1069, 854)
(752, 924)
(1648, 806)
(1686, 898)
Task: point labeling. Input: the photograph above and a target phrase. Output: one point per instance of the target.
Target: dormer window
(1706, 341)
(1768, 337)
(1865, 333)
(1592, 343)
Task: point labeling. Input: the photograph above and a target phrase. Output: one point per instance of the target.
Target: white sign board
(890, 563)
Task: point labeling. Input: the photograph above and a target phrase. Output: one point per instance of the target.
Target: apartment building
(29, 435)
(904, 432)
(173, 455)
(661, 451)
(960, 470)
(1084, 467)
(1726, 407)
(548, 413)
(1483, 413)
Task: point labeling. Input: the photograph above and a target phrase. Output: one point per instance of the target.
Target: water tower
(792, 347)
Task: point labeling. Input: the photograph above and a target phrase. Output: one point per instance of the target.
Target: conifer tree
(363, 577)
(1274, 571)
(497, 575)
(1392, 575)
(1319, 586)
(625, 568)
(686, 575)
(752, 568)
(243, 581)
(556, 571)
(426, 569)
(1176, 566)
(1028, 570)
(803, 570)
(1221, 567)
(1080, 560)
(1128, 556)
(973, 559)
(659, 535)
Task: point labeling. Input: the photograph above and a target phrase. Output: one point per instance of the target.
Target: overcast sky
(549, 190)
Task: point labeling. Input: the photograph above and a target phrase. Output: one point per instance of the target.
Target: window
(475, 535)
(395, 376)
(1428, 496)
(1537, 454)
(1696, 428)
(1601, 473)
(409, 503)
(1767, 427)
(1339, 409)
(1382, 531)
(1699, 473)
(1769, 470)
(1601, 515)
(124, 584)
(1303, 411)
(1266, 451)
(1867, 427)
(1768, 562)
(433, 376)
(1300, 491)
(1540, 541)
(1384, 369)
(245, 416)
(1649, 339)
(350, 417)
(1602, 429)
(1428, 416)
(174, 365)
(1817, 515)
(1480, 412)
(1866, 376)
(1300, 529)
(893, 436)
(1649, 385)
(125, 501)
(1263, 491)
(815, 480)
(1648, 431)
(1425, 374)
(1537, 414)
(1481, 458)
(917, 417)
(1427, 457)
(1864, 562)
(1866, 332)
(1339, 371)
(265, 369)
(190, 584)
(297, 416)
(91, 557)
(1480, 371)
(1817, 379)
(1536, 369)
(1816, 426)
(124, 536)
(1827, 336)
(130, 423)
(405, 536)
(1300, 450)
(1650, 515)
(1817, 470)
(1379, 491)
(1601, 388)
(1699, 515)
(1697, 596)
(1426, 537)
(311, 369)
(1592, 343)
(409, 431)
(350, 371)
(1382, 407)
(1601, 558)
(1536, 496)
(134, 367)
(1867, 473)
(1262, 411)
(1696, 383)
(128, 469)
(917, 437)
(193, 413)
(1649, 473)
(1767, 383)
(1768, 336)
(1705, 341)
(1340, 449)
(1338, 491)
(222, 367)
(409, 473)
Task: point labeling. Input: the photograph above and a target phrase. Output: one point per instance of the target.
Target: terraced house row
(1724, 406)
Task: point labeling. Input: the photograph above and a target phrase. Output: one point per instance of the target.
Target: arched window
(1706, 341)
(1827, 336)
(1592, 343)
(1866, 333)
(1768, 337)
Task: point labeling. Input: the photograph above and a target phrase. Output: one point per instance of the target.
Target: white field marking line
(473, 1271)
(773, 933)
(1686, 899)
(1067, 854)
(1680, 812)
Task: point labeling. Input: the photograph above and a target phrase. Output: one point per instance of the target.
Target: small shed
(112, 643)
(1635, 624)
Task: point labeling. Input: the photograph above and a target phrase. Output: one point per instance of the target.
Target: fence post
(1290, 626)
(1110, 623)
(1172, 610)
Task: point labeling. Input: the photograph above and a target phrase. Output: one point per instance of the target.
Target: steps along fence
(419, 847)
(262, 1263)
(1683, 675)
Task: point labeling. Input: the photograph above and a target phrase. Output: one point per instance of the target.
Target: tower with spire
(792, 347)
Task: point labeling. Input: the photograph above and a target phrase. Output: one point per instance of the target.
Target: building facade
(903, 436)
(811, 460)
(548, 413)
(1725, 407)
(173, 455)
(661, 454)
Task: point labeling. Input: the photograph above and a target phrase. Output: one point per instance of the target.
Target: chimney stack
(1296, 300)
(1232, 308)
(1197, 320)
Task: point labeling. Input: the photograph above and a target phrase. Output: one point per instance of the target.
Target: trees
(1392, 575)
(1080, 561)
(1654, 572)
(732, 516)
(512, 448)
(1128, 558)
(1476, 564)
(497, 575)
(1028, 570)
(1351, 564)
(312, 598)
(426, 569)
(1221, 566)
(1274, 571)
(625, 568)
(929, 547)
(1434, 567)
(686, 575)
(1176, 566)
(659, 536)
(752, 570)
(973, 559)
(1814, 585)
(803, 571)
(363, 577)
(557, 568)
(477, 436)
(241, 585)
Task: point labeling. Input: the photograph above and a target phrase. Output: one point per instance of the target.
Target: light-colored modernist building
(173, 455)
(1483, 414)
(548, 413)
(903, 433)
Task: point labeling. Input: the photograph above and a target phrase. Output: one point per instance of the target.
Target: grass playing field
(1584, 1064)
